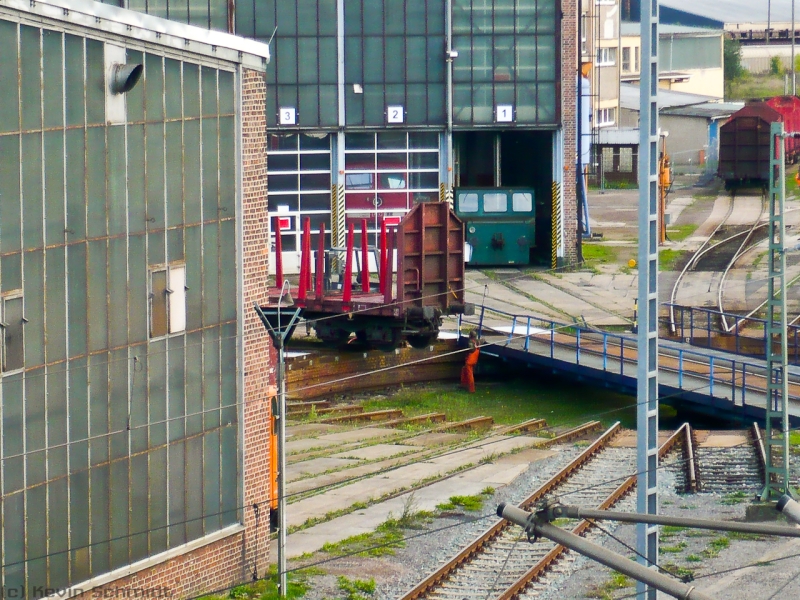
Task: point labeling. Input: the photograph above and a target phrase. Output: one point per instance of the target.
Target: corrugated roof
(708, 110)
(629, 97)
(632, 28)
(733, 11)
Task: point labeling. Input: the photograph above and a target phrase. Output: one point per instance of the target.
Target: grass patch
(674, 549)
(668, 258)
(678, 233)
(684, 573)
(606, 590)
(514, 400)
(471, 503)
(750, 86)
(734, 498)
(670, 530)
(716, 546)
(598, 253)
(739, 535)
(356, 589)
(694, 558)
(794, 438)
(267, 589)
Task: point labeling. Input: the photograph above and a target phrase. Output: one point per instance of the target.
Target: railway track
(498, 564)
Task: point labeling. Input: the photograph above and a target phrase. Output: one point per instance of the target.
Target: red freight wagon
(789, 109)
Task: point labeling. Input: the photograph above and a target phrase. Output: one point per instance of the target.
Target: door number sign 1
(394, 114)
(287, 115)
(504, 113)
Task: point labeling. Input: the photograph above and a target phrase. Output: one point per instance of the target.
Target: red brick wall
(569, 75)
(230, 561)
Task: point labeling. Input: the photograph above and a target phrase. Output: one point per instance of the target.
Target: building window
(167, 300)
(606, 57)
(626, 60)
(605, 117)
(11, 333)
(636, 59)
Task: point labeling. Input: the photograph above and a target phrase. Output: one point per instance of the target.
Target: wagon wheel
(420, 341)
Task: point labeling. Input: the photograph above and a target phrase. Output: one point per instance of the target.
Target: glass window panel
(436, 109)
(154, 87)
(119, 388)
(139, 417)
(227, 93)
(98, 290)
(359, 141)
(136, 173)
(118, 291)
(11, 269)
(174, 168)
(194, 390)
(327, 60)
(315, 202)
(198, 13)
(352, 17)
(96, 181)
(30, 77)
(193, 278)
(175, 394)
(495, 203)
(211, 498)
(32, 190)
(75, 184)
(314, 142)
(35, 437)
(546, 59)
(282, 162)
(10, 226)
(354, 107)
(416, 58)
(210, 275)
(373, 60)
(177, 493)
(227, 271)
(394, 57)
(156, 250)
(13, 428)
(228, 366)
(191, 175)
(286, 60)
(14, 540)
(73, 79)
(194, 483)
(315, 181)
(308, 105)
(79, 524)
(546, 103)
(218, 16)
(391, 160)
(468, 202)
(390, 140)
(56, 305)
(504, 93)
(158, 499)
(58, 534)
(423, 180)
(415, 17)
(423, 160)
(134, 99)
(77, 298)
(53, 83)
(229, 475)
(353, 63)
(98, 407)
(34, 308)
(308, 67)
(158, 303)
(78, 414)
(57, 420)
(210, 169)
(313, 162)
(157, 398)
(287, 141)
(37, 535)
(227, 168)
(208, 81)
(137, 286)
(120, 484)
(154, 140)
(191, 90)
(211, 378)
(394, 15)
(54, 186)
(9, 74)
(95, 83)
(373, 18)
(117, 180)
(283, 183)
(99, 489)
(522, 202)
(173, 96)
(139, 507)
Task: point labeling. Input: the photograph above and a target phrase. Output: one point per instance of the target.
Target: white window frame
(174, 301)
(626, 63)
(606, 57)
(606, 117)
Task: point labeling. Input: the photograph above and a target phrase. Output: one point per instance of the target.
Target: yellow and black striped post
(555, 228)
(337, 221)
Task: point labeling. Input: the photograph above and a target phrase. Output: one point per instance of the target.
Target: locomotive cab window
(493, 203)
(11, 333)
(167, 300)
(522, 202)
(468, 203)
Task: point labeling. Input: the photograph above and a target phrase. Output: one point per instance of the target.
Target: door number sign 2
(394, 114)
(504, 113)
(287, 115)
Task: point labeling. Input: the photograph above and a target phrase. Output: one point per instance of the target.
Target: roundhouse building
(134, 375)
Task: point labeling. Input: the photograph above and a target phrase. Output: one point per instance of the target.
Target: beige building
(690, 58)
(600, 58)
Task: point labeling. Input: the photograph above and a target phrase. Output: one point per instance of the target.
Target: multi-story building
(134, 375)
(601, 59)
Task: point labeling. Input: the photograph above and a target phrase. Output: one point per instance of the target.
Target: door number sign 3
(287, 115)
(394, 114)
(504, 113)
